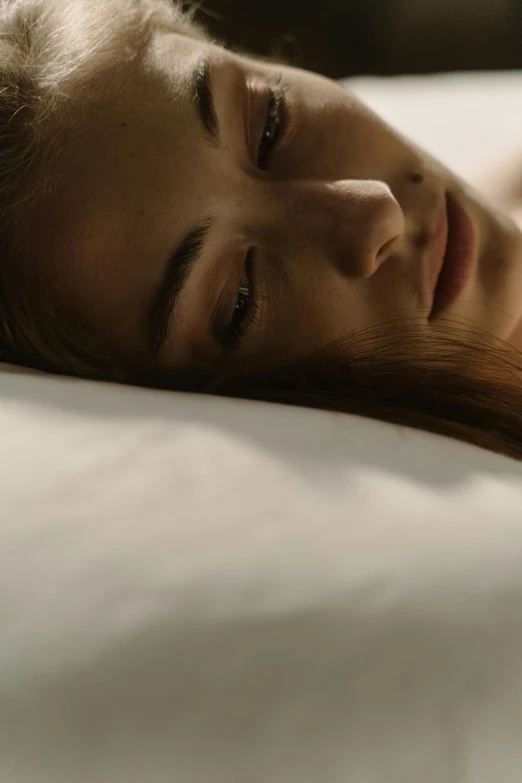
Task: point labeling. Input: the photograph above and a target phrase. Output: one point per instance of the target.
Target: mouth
(458, 258)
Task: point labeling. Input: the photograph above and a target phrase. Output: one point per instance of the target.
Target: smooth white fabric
(196, 590)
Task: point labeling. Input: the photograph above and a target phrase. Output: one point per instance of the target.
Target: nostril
(383, 251)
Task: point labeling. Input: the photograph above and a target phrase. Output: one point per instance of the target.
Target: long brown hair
(454, 380)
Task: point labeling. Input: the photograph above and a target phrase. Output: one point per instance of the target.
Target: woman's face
(230, 209)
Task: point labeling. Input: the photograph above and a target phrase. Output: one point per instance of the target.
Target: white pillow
(216, 590)
(195, 589)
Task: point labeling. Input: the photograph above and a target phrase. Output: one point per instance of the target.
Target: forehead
(135, 86)
(104, 232)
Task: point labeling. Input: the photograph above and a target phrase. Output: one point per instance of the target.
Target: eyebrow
(204, 99)
(180, 263)
(177, 271)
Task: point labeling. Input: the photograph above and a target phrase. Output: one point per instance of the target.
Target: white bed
(196, 590)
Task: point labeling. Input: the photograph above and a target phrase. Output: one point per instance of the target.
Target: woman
(180, 216)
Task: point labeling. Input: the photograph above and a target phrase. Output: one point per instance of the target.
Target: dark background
(354, 37)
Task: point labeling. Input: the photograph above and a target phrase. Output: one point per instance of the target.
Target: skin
(340, 227)
(502, 181)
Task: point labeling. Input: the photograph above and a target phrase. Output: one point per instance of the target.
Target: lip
(458, 257)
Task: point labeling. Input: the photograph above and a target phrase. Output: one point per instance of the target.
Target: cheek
(356, 143)
(322, 312)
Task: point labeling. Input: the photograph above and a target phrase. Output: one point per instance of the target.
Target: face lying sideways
(224, 209)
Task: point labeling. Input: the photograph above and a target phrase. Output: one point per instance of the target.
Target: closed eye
(272, 130)
(247, 306)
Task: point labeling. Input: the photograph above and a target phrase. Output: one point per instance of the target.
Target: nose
(354, 223)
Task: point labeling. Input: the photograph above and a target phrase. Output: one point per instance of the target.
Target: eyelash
(247, 306)
(273, 123)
